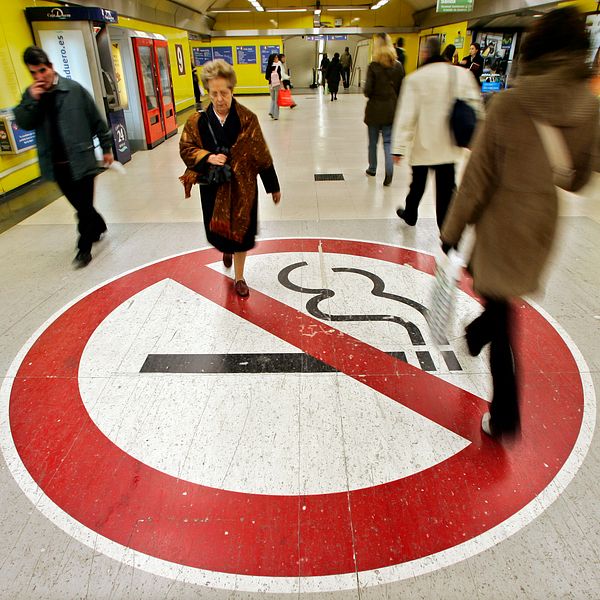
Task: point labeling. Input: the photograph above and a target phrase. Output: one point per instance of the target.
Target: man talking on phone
(66, 120)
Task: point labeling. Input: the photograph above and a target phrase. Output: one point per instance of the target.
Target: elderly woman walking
(382, 88)
(508, 190)
(224, 150)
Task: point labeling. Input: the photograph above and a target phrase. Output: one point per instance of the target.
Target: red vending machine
(156, 89)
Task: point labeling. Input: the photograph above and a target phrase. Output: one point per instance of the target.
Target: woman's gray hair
(218, 68)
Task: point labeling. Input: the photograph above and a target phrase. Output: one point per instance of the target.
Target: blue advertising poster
(223, 52)
(265, 52)
(246, 55)
(202, 55)
(489, 87)
(23, 139)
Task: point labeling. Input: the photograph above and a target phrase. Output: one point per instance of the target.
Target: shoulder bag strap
(557, 152)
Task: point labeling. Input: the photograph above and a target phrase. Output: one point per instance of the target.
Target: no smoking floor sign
(292, 440)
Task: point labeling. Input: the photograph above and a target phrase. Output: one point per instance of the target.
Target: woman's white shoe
(485, 423)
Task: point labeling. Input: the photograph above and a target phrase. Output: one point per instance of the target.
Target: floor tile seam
(348, 490)
(240, 437)
(563, 542)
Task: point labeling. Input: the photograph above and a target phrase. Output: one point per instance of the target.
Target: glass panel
(119, 74)
(147, 76)
(163, 70)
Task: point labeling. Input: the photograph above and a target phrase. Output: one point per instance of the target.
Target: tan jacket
(507, 190)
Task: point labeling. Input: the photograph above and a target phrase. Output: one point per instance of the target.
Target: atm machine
(77, 43)
(144, 78)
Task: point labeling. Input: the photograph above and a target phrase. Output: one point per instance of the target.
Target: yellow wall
(585, 6)
(451, 32)
(15, 36)
(250, 79)
(183, 88)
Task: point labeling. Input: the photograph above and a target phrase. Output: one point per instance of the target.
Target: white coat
(422, 122)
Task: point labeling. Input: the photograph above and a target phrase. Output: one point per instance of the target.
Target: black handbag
(215, 174)
(463, 119)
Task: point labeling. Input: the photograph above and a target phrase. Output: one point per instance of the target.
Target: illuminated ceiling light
(379, 4)
(257, 5)
(285, 10)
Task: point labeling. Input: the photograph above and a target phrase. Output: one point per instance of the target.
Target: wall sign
(224, 53)
(180, 59)
(202, 56)
(246, 55)
(66, 50)
(13, 139)
(265, 52)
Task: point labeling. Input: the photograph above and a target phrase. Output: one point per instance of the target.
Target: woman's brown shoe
(227, 260)
(241, 288)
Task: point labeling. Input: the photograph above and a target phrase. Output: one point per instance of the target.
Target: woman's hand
(217, 159)
(276, 197)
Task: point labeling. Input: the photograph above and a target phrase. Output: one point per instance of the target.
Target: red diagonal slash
(435, 399)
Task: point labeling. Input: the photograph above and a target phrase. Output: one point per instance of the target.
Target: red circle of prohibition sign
(110, 492)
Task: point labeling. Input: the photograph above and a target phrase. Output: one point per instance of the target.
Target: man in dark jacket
(66, 119)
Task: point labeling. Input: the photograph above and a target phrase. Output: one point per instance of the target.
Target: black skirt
(208, 195)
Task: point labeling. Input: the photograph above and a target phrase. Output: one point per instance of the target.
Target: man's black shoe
(402, 214)
(83, 259)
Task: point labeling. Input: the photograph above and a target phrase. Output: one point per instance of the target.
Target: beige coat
(507, 190)
(421, 127)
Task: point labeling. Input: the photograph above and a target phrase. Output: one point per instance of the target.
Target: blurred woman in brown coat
(507, 190)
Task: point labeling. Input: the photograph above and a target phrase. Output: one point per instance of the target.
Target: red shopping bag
(284, 98)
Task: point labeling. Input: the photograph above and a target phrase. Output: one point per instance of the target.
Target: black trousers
(287, 84)
(444, 188)
(493, 326)
(346, 76)
(80, 194)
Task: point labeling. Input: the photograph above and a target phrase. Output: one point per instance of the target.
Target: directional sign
(293, 439)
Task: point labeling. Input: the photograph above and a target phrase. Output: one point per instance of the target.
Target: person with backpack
(541, 133)
(273, 75)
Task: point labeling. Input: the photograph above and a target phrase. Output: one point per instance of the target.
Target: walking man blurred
(422, 128)
(66, 120)
(346, 61)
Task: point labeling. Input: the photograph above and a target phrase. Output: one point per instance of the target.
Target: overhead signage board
(454, 6)
(71, 13)
(330, 38)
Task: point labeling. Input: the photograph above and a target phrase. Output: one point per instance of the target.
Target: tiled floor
(163, 439)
